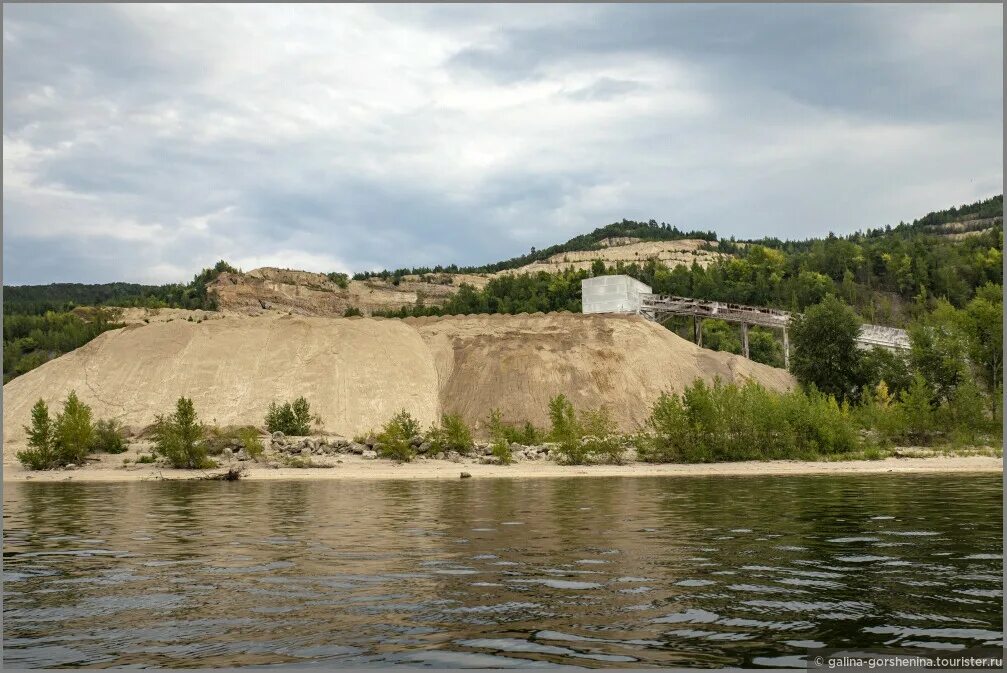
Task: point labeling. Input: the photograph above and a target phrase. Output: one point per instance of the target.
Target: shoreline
(431, 470)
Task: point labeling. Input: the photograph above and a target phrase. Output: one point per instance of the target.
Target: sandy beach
(355, 468)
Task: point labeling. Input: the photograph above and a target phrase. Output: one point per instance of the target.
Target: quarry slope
(272, 291)
(357, 372)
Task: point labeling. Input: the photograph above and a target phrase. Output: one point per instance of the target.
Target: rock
(338, 442)
(305, 451)
(242, 455)
(453, 456)
(357, 449)
(278, 435)
(415, 440)
(466, 475)
(423, 448)
(235, 449)
(71, 466)
(370, 455)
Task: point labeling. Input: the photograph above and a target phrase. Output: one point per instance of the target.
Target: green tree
(825, 355)
(179, 437)
(73, 430)
(938, 351)
(41, 453)
(290, 418)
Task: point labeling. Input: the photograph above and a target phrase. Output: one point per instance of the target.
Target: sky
(144, 142)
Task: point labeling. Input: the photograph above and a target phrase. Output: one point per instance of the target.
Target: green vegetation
(108, 437)
(825, 348)
(33, 340)
(395, 438)
(41, 453)
(290, 418)
(340, 279)
(180, 438)
(69, 438)
(41, 322)
(646, 231)
(590, 437)
(729, 422)
(251, 442)
(352, 311)
(451, 435)
(500, 446)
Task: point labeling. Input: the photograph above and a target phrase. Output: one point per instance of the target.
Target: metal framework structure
(657, 307)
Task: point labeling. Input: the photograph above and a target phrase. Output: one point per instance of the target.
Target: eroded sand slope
(357, 372)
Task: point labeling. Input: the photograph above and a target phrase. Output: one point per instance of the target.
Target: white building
(612, 294)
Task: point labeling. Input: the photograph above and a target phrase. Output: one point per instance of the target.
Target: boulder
(242, 455)
(278, 435)
(369, 455)
(415, 440)
(357, 449)
(423, 448)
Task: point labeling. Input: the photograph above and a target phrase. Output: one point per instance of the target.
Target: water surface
(590, 572)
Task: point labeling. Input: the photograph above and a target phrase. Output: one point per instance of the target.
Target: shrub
(146, 458)
(73, 430)
(452, 435)
(179, 437)
(730, 422)
(601, 441)
(500, 446)
(41, 454)
(251, 442)
(395, 437)
(589, 438)
(352, 311)
(342, 280)
(108, 437)
(290, 418)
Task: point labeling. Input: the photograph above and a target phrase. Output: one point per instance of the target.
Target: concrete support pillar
(786, 349)
(744, 339)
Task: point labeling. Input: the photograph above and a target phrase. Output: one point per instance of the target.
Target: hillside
(890, 275)
(304, 293)
(358, 372)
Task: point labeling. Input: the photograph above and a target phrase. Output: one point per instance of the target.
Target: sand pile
(357, 372)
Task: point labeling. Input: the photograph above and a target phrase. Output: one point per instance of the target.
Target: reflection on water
(596, 572)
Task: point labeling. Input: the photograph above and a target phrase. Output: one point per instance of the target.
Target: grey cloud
(142, 143)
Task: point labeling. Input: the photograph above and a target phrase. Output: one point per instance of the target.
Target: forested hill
(890, 275)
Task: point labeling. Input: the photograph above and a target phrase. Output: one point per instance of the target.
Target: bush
(500, 446)
(63, 442)
(601, 441)
(452, 435)
(352, 311)
(394, 438)
(730, 422)
(290, 418)
(73, 430)
(590, 438)
(251, 442)
(146, 459)
(108, 437)
(41, 454)
(179, 437)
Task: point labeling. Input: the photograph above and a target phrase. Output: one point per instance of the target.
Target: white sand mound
(358, 372)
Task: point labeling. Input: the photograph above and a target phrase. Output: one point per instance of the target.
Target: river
(596, 572)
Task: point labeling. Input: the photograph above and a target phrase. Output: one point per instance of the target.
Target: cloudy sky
(144, 142)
